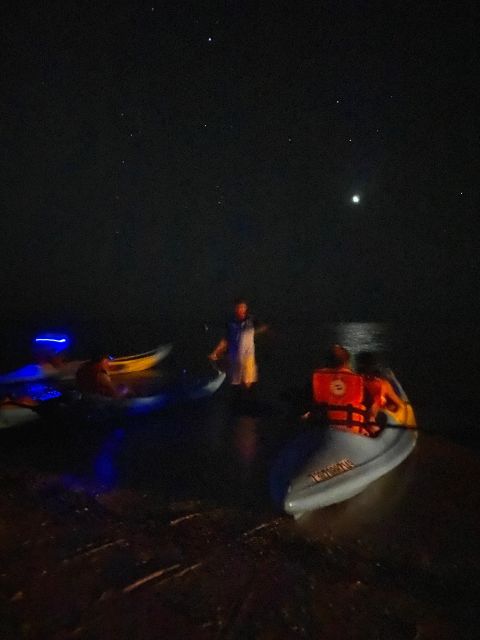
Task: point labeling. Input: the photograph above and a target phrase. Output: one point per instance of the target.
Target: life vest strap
(355, 416)
(349, 422)
(349, 408)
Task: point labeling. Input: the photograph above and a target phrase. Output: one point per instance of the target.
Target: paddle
(214, 366)
(324, 423)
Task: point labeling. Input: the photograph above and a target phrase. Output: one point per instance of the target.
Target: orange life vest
(341, 392)
(381, 393)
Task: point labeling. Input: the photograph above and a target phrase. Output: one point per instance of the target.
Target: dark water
(214, 450)
(167, 526)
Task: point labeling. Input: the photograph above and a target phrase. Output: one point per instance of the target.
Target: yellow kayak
(124, 364)
(140, 362)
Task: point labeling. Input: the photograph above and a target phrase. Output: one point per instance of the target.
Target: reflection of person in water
(239, 344)
(246, 439)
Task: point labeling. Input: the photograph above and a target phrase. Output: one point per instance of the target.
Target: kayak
(123, 364)
(343, 464)
(13, 416)
(139, 362)
(183, 391)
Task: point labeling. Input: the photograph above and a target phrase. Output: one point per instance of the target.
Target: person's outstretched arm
(219, 350)
(261, 329)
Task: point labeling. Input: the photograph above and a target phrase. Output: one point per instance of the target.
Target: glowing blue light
(54, 341)
(41, 392)
(105, 469)
(28, 372)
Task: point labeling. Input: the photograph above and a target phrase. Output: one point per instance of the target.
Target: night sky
(161, 158)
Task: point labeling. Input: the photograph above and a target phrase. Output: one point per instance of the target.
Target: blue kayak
(183, 391)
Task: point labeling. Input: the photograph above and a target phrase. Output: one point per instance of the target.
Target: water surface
(169, 522)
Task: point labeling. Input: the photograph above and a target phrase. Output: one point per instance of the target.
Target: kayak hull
(341, 464)
(124, 364)
(13, 416)
(183, 392)
(344, 466)
(140, 362)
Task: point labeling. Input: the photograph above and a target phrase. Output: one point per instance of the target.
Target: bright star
(356, 199)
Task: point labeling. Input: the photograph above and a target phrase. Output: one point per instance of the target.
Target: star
(356, 199)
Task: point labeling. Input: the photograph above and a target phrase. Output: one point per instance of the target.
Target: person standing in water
(239, 345)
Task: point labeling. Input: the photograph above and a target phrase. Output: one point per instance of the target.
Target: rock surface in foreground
(400, 561)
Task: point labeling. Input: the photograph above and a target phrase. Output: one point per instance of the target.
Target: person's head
(102, 359)
(338, 356)
(240, 308)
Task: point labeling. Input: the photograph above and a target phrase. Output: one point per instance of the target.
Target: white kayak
(123, 364)
(343, 464)
(175, 394)
(14, 416)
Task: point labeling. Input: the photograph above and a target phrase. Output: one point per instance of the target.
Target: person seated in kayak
(94, 377)
(338, 395)
(50, 354)
(55, 360)
(239, 344)
(379, 392)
